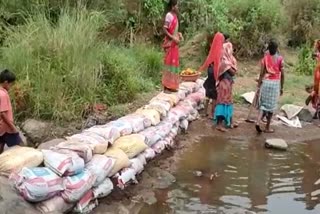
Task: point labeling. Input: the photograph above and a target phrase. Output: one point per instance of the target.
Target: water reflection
(251, 180)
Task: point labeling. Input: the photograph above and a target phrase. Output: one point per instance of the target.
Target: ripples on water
(251, 180)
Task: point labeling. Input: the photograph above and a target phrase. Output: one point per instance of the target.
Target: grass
(64, 67)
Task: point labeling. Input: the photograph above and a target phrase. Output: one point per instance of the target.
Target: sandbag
(159, 147)
(17, 158)
(86, 203)
(184, 124)
(142, 159)
(100, 166)
(200, 82)
(190, 86)
(123, 127)
(149, 154)
(108, 133)
(76, 186)
(160, 109)
(54, 205)
(138, 122)
(37, 184)
(173, 99)
(169, 142)
(174, 131)
(196, 97)
(137, 165)
(132, 145)
(97, 143)
(151, 114)
(182, 113)
(65, 163)
(121, 160)
(125, 177)
(84, 150)
(151, 135)
(104, 189)
(172, 118)
(163, 129)
(164, 105)
(50, 144)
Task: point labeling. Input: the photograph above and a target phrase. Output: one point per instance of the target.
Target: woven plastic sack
(104, 189)
(84, 150)
(151, 114)
(151, 135)
(159, 147)
(126, 176)
(138, 122)
(191, 86)
(196, 97)
(86, 204)
(162, 104)
(67, 163)
(149, 154)
(50, 144)
(108, 133)
(142, 159)
(169, 142)
(181, 112)
(132, 145)
(54, 205)
(172, 118)
(174, 131)
(100, 166)
(76, 186)
(163, 129)
(97, 143)
(37, 184)
(160, 109)
(17, 158)
(137, 164)
(123, 127)
(121, 160)
(184, 125)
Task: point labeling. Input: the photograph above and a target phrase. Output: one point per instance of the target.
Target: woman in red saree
(170, 76)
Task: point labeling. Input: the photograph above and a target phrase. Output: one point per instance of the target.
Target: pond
(241, 176)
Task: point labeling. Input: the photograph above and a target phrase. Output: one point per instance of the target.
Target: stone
(35, 130)
(306, 115)
(276, 144)
(11, 202)
(47, 145)
(162, 179)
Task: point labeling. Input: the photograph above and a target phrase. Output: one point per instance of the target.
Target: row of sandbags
(76, 172)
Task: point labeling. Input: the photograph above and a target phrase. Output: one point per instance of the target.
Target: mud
(172, 183)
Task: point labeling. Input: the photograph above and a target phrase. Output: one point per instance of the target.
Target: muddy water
(246, 179)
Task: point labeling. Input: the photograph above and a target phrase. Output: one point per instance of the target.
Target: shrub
(306, 63)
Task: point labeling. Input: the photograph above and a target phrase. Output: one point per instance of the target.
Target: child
(313, 98)
(211, 91)
(9, 134)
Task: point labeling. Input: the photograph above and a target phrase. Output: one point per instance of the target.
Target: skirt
(223, 111)
(269, 95)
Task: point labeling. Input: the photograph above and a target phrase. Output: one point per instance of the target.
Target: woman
(315, 94)
(271, 85)
(170, 76)
(227, 70)
(212, 64)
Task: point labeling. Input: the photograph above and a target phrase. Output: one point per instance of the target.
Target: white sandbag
(137, 165)
(16, 158)
(66, 163)
(86, 204)
(172, 118)
(200, 82)
(182, 94)
(122, 160)
(97, 143)
(163, 129)
(174, 131)
(123, 127)
(291, 110)
(132, 145)
(138, 122)
(100, 166)
(149, 154)
(184, 124)
(151, 135)
(54, 205)
(37, 184)
(50, 144)
(108, 133)
(104, 189)
(76, 186)
(161, 104)
(173, 98)
(181, 112)
(126, 176)
(169, 142)
(151, 114)
(159, 147)
(196, 97)
(84, 150)
(191, 86)
(142, 159)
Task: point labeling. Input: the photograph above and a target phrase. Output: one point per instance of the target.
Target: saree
(170, 76)
(224, 108)
(270, 88)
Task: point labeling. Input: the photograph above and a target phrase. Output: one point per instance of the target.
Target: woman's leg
(269, 118)
(220, 126)
(260, 116)
(212, 109)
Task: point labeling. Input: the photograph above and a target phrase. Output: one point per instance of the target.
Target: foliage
(66, 66)
(306, 62)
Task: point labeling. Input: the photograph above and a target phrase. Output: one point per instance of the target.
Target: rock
(47, 145)
(162, 178)
(306, 115)
(197, 173)
(276, 144)
(35, 130)
(11, 202)
(291, 110)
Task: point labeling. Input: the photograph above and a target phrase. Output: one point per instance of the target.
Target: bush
(66, 66)
(306, 63)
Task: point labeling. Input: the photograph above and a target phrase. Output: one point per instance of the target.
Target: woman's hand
(181, 36)
(176, 39)
(281, 91)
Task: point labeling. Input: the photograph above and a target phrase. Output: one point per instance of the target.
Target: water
(250, 179)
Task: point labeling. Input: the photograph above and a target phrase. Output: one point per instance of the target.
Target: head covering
(215, 54)
(228, 61)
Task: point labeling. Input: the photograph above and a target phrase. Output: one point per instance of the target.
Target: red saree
(316, 78)
(170, 76)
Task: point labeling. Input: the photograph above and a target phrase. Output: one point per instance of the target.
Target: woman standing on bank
(170, 76)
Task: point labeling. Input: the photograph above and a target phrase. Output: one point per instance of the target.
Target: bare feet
(221, 129)
(234, 125)
(269, 131)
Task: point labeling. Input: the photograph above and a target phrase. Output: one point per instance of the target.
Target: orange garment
(5, 108)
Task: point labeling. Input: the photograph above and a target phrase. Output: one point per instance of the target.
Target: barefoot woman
(271, 85)
(227, 70)
(170, 76)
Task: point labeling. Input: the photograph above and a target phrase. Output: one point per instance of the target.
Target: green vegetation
(71, 54)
